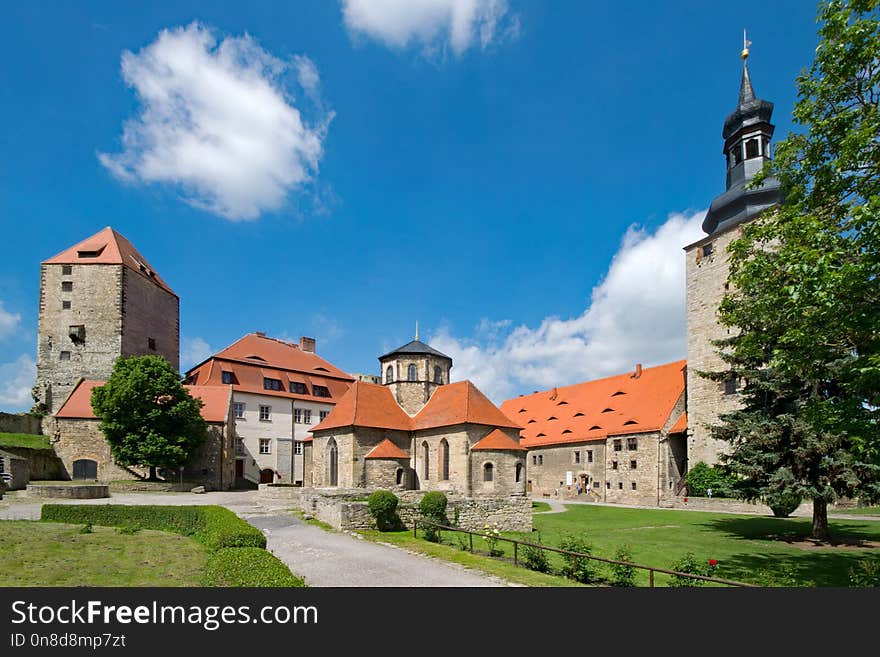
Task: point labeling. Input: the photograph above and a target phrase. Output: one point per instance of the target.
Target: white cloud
(636, 315)
(8, 321)
(193, 351)
(16, 381)
(435, 24)
(217, 122)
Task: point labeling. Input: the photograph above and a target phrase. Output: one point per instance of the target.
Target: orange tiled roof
(255, 357)
(107, 247)
(386, 450)
(594, 410)
(681, 424)
(78, 405)
(498, 440)
(460, 403)
(366, 405)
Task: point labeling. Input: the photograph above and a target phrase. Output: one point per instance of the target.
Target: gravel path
(320, 557)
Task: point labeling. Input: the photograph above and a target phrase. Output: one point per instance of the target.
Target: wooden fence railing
(516, 543)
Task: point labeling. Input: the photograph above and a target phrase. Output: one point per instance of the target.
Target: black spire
(746, 93)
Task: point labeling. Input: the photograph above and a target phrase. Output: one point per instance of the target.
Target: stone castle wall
(382, 473)
(706, 277)
(20, 423)
(351, 462)
(413, 395)
(548, 468)
(148, 311)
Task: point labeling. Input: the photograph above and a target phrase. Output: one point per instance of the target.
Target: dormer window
(90, 254)
(271, 384)
(227, 378)
(298, 388)
(578, 414)
(608, 410)
(320, 391)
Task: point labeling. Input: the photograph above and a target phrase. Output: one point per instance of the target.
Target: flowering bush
(491, 535)
(690, 564)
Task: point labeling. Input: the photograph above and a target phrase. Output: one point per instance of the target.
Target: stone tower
(99, 299)
(414, 372)
(747, 132)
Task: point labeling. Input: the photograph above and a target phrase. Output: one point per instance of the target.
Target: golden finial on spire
(417, 330)
(745, 51)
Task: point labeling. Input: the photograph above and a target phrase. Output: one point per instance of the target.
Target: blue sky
(517, 176)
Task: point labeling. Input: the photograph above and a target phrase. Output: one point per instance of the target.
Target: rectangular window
(632, 444)
(67, 286)
(238, 409)
(298, 388)
(614, 465)
(266, 413)
(607, 485)
(730, 386)
(618, 445)
(577, 457)
(320, 391)
(534, 459)
(540, 459)
(323, 414)
(65, 305)
(597, 484)
(307, 416)
(227, 377)
(239, 446)
(297, 448)
(265, 446)
(271, 384)
(589, 456)
(707, 250)
(66, 270)
(632, 465)
(64, 355)
(620, 485)
(297, 415)
(151, 344)
(77, 333)
(633, 485)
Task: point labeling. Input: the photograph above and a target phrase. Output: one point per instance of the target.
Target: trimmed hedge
(248, 566)
(213, 526)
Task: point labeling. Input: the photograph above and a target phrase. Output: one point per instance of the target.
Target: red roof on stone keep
(107, 247)
(594, 410)
(498, 440)
(366, 405)
(681, 424)
(386, 450)
(460, 403)
(215, 401)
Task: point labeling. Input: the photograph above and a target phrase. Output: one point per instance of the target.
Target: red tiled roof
(109, 248)
(460, 403)
(215, 401)
(594, 410)
(366, 405)
(498, 440)
(386, 450)
(276, 359)
(681, 424)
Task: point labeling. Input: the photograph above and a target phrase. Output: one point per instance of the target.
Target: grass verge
(28, 440)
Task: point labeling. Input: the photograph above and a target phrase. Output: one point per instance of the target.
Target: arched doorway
(267, 476)
(85, 469)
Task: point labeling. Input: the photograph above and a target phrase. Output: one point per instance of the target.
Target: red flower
(713, 562)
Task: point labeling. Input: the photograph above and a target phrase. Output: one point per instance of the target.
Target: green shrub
(783, 504)
(783, 575)
(701, 478)
(248, 566)
(383, 508)
(579, 569)
(224, 529)
(86, 529)
(623, 575)
(433, 508)
(690, 564)
(866, 572)
(534, 558)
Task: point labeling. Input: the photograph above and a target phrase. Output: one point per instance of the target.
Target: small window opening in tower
(737, 154)
(751, 148)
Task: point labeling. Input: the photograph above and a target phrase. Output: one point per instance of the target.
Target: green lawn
(56, 554)
(23, 440)
(857, 511)
(540, 507)
(748, 548)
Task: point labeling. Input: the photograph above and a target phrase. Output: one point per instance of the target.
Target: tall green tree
(147, 416)
(804, 298)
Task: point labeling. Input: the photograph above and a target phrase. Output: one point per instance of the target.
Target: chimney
(259, 334)
(553, 396)
(638, 371)
(307, 344)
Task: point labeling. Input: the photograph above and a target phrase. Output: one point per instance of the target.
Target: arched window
(399, 476)
(444, 460)
(389, 374)
(412, 373)
(488, 472)
(752, 148)
(426, 456)
(438, 375)
(332, 463)
(519, 469)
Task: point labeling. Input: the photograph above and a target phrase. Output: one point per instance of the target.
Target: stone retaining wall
(20, 423)
(346, 509)
(724, 504)
(74, 492)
